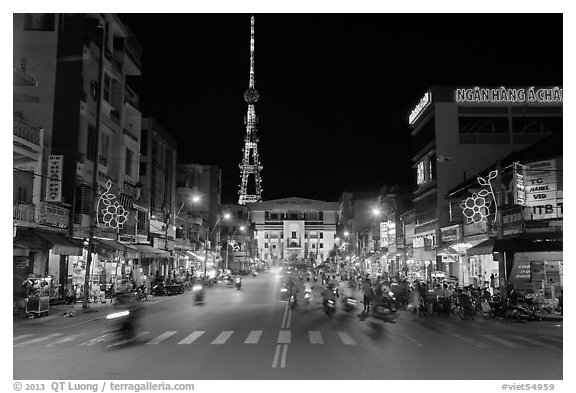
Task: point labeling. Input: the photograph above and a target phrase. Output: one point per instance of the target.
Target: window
(128, 168)
(274, 246)
(420, 174)
(104, 148)
(265, 245)
(321, 235)
(274, 216)
(266, 235)
(293, 234)
(293, 216)
(313, 246)
(41, 22)
(107, 84)
(321, 245)
(321, 216)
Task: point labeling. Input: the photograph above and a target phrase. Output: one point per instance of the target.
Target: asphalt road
(249, 334)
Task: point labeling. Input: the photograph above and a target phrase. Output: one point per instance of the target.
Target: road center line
(289, 316)
(283, 362)
(285, 315)
(283, 337)
(276, 355)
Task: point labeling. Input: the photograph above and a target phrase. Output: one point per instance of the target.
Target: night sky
(335, 89)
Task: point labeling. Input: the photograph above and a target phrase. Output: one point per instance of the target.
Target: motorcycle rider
(293, 290)
(308, 287)
(328, 294)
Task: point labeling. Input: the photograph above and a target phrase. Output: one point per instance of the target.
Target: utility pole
(503, 268)
(94, 213)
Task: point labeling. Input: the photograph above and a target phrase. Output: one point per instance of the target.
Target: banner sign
(518, 185)
(543, 199)
(54, 182)
(509, 95)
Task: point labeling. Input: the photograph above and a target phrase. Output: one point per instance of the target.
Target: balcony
(115, 115)
(54, 216)
(26, 132)
(21, 78)
(25, 212)
(134, 51)
(131, 97)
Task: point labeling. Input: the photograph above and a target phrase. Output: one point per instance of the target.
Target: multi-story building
(295, 229)
(158, 150)
(89, 127)
(456, 133)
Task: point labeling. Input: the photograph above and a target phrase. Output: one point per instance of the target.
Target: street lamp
(228, 244)
(209, 234)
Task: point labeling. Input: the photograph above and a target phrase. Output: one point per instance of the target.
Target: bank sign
(509, 95)
(543, 199)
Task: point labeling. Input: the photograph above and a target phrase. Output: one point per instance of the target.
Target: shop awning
(484, 248)
(147, 251)
(182, 253)
(109, 244)
(528, 245)
(60, 245)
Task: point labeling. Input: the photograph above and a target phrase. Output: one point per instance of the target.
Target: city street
(250, 334)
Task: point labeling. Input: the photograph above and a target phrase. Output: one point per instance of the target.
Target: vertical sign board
(518, 185)
(54, 181)
(543, 199)
(384, 234)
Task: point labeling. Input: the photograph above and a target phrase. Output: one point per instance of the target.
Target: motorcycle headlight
(391, 293)
(283, 290)
(118, 314)
(197, 287)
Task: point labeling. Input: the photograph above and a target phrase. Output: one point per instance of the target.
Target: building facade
(295, 229)
(458, 132)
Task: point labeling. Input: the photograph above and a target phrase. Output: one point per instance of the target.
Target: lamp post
(209, 234)
(228, 243)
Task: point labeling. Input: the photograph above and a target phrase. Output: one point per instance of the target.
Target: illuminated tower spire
(248, 167)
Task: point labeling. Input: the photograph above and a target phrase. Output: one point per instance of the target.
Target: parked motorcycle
(140, 295)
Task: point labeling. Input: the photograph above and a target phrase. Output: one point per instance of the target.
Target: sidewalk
(70, 312)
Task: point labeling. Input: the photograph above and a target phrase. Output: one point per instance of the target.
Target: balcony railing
(134, 49)
(25, 131)
(21, 77)
(131, 97)
(24, 212)
(53, 215)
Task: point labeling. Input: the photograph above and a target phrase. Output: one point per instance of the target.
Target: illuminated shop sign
(417, 111)
(509, 95)
(542, 196)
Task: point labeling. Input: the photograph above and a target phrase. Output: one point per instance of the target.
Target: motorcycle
(329, 307)
(125, 318)
(254, 274)
(140, 295)
(198, 290)
(307, 297)
(389, 301)
(292, 301)
(349, 303)
(238, 283)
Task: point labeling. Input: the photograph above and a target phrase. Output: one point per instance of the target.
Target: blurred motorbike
(125, 316)
(349, 303)
(198, 291)
(329, 307)
(238, 283)
(307, 297)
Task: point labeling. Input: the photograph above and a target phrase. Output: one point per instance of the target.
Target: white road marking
(285, 317)
(315, 337)
(222, 337)
(283, 362)
(89, 343)
(192, 337)
(161, 338)
(253, 337)
(412, 340)
(346, 339)
(470, 341)
(501, 341)
(289, 317)
(37, 340)
(276, 355)
(64, 340)
(22, 336)
(530, 341)
(284, 337)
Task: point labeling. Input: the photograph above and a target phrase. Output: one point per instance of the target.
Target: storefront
(482, 268)
(150, 261)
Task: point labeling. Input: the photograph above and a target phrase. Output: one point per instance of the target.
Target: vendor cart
(38, 296)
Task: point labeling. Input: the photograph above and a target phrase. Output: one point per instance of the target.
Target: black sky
(335, 89)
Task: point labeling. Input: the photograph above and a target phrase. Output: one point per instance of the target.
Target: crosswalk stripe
(283, 337)
(501, 341)
(37, 340)
(253, 337)
(64, 340)
(470, 341)
(191, 337)
(315, 337)
(412, 340)
(529, 340)
(22, 336)
(161, 338)
(346, 339)
(222, 337)
(89, 343)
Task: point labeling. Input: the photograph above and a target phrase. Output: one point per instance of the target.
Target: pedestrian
(415, 301)
(368, 293)
(71, 296)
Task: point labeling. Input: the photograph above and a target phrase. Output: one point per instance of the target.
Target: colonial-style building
(296, 229)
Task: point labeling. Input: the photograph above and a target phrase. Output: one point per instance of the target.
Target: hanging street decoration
(476, 208)
(235, 247)
(114, 213)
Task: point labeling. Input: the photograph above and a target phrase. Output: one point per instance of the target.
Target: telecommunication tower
(250, 150)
